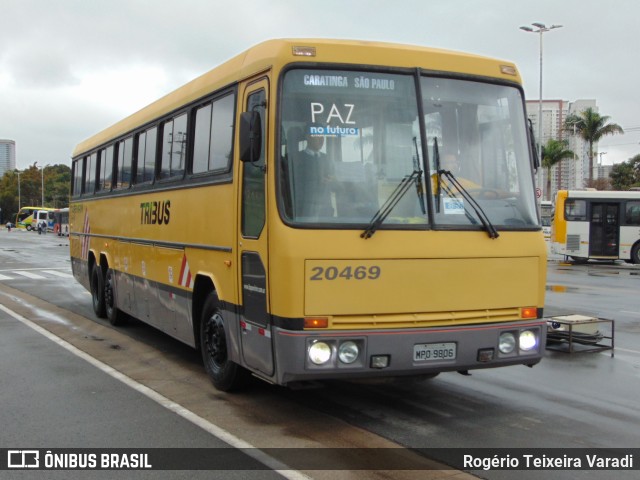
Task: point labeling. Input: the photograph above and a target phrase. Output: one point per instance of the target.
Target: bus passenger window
(633, 213)
(575, 210)
(146, 155)
(174, 147)
(214, 136)
(90, 179)
(125, 153)
(77, 176)
(106, 168)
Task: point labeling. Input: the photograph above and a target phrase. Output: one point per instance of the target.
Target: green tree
(553, 153)
(591, 126)
(57, 180)
(626, 175)
(8, 196)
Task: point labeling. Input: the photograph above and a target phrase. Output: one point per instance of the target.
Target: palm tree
(591, 126)
(553, 153)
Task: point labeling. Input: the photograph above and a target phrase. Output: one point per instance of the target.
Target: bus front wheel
(97, 291)
(635, 254)
(224, 374)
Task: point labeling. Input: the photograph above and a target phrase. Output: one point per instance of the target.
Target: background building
(7, 156)
(568, 174)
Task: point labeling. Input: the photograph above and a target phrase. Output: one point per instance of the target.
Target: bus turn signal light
(316, 322)
(529, 312)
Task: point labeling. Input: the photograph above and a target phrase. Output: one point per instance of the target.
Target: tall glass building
(7, 156)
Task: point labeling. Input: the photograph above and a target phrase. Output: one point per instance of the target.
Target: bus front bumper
(316, 355)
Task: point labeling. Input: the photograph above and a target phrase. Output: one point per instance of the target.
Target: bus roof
(604, 194)
(278, 53)
(37, 208)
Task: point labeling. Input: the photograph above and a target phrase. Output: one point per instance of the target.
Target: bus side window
(575, 210)
(174, 147)
(633, 213)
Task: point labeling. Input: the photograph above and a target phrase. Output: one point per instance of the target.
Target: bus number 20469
(347, 273)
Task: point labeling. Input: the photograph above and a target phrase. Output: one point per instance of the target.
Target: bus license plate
(426, 352)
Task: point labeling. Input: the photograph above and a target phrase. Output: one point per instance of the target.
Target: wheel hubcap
(215, 340)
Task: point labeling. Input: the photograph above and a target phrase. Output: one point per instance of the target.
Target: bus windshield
(349, 139)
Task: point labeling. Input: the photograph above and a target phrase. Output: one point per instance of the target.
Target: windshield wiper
(436, 160)
(480, 213)
(390, 203)
(418, 180)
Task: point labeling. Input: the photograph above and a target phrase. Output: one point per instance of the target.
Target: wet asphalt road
(567, 401)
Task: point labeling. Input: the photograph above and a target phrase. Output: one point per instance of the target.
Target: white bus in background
(61, 222)
(599, 225)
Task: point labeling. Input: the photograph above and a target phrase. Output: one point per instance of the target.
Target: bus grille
(573, 242)
(434, 319)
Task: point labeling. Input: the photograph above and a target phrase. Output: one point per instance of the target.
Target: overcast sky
(69, 68)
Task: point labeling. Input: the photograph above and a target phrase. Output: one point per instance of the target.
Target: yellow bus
(28, 217)
(599, 225)
(292, 214)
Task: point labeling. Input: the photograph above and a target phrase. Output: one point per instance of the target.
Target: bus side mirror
(250, 136)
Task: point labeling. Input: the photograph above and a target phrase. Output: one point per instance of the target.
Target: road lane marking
(24, 273)
(4, 277)
(55, 273)
(170, 405)
(627, 350)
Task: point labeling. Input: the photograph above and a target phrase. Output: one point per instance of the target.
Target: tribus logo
(23, 459)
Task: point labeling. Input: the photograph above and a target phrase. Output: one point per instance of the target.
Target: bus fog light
(380, 361)
(528, 340)
(485, 355)
(319, 353)
(348, 352)
(507, 343)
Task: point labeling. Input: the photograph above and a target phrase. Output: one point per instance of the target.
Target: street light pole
(42, 186)
(42, 171)
(18, 173)
(540, 28)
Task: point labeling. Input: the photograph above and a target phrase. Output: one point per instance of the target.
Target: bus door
(604, 230)
(255, 325)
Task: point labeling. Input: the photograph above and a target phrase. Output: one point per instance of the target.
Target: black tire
(635, 254)
(224, 374)
(112, 312)
(97, 291)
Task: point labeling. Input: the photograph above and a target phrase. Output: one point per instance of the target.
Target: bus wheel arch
(225, 374)
(202, 287)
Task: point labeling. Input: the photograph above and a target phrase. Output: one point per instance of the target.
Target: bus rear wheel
(224, 374)
(112, 312)
(635, 254)
(97, 291)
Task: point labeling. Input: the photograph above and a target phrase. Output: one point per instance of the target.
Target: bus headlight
(348, 352)
(528, 340)
(319, 353)
(507, 342)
